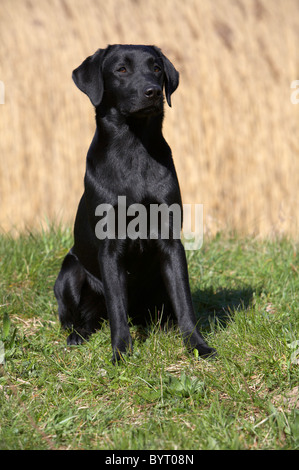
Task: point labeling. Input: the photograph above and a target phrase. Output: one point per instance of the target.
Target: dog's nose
(153, 91)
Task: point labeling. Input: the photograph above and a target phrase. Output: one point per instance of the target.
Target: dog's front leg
(175, 274)
(114, 279)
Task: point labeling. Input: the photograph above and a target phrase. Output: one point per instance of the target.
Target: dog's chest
(138, 176)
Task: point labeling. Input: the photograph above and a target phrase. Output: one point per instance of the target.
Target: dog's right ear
(88, 77)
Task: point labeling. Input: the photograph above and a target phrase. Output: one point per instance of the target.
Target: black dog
(120, 276)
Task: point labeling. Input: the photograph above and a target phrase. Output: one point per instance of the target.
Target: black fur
(127, 157)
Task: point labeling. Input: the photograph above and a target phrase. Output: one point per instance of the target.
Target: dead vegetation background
(232, 127)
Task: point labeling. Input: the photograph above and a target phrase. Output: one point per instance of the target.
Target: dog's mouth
(151, 110)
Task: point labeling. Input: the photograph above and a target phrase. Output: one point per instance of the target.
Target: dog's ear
(88, 77)
(171, 75)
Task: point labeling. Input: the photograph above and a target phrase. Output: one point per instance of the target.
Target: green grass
(246, 293)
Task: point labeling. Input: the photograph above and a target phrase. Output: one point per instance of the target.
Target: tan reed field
(233, 129)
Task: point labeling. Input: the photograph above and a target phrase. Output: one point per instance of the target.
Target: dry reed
(232, 126)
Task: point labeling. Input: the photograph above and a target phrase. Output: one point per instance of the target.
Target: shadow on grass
(210, 307)
(220, 306)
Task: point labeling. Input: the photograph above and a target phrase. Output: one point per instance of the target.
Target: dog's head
(128, 78)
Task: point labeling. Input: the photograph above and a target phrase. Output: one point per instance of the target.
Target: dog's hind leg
(67, 290)
(81, 303)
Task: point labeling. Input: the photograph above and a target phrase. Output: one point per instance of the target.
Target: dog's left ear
(171, 75)
(88, 77)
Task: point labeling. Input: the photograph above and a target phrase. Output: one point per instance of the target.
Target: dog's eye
(157, 69)
(122, 69)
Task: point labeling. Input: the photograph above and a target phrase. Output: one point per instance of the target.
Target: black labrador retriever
(120, 276)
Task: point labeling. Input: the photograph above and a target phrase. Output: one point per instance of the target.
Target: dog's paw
(118, 357)
(124, 348)
(206, 352)
(74, 339)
